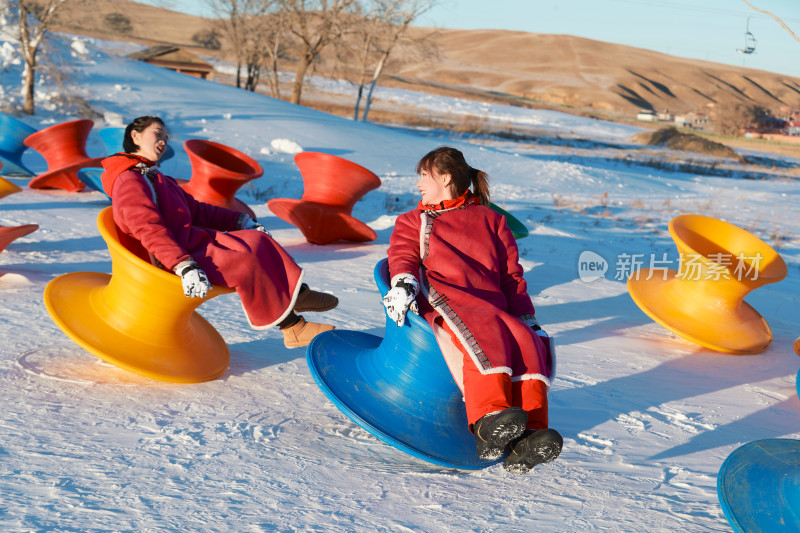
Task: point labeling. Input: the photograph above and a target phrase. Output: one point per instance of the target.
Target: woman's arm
(512, 282)
(403, 269)
(136, 214)
(404, 245)
(211, 216)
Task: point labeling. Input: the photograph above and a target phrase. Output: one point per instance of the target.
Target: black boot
(532, 448)
(493, 432)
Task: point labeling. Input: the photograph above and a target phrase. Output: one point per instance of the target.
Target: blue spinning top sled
(759, 487)
(12, 137)
(397, 388)
(91, 177)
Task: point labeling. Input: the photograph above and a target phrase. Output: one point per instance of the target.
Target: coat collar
(120, 162)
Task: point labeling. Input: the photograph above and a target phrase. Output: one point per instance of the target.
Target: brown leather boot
(311, 300)
(302, 333)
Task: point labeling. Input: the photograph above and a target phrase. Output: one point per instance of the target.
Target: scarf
(467, 198)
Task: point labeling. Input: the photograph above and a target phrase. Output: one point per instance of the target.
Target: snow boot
(302, 333)
(532, 448)
(494, 431)
(311, 300)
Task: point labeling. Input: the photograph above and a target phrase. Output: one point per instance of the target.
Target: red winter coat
(467, 263)
(174, 227)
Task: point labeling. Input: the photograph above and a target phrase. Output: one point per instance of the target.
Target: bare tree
(384, 28)
(315, 23)
(734, 119)
(241, 22)
(33, 20)
(272, 37)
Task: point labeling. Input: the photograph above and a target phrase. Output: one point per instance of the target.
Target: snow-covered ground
(647, 417)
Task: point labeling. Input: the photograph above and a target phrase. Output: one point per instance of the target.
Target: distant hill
(522, 68)
(583, 73)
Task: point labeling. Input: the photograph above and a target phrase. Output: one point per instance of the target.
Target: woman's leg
(531, 395)
(489, 393)
(483, 394)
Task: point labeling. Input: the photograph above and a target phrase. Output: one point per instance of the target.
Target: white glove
(194, 280)
(549, 342)
(249, 223)
(401, 298)
(532, 323)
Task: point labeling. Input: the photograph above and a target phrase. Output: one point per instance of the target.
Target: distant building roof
(175, 58)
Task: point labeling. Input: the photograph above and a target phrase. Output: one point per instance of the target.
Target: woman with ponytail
(454, 261)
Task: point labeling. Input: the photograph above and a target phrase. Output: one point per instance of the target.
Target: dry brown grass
(562, 72)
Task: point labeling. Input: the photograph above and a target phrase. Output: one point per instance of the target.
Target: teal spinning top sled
(517, 228)
(398, 388)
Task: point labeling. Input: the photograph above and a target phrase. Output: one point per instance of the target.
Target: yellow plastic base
(138, 318)
(721, 264)
(6, 187)
(740, 330)
(78, 305)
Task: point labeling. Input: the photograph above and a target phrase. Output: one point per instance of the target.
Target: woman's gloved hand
(549, 342)
(401, 297)
(249, 223)
(532, 323)
(194, 280)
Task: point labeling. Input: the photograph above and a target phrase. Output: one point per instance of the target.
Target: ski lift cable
(695, 8)
(776, 18)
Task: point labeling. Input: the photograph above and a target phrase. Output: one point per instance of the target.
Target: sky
(711, 30)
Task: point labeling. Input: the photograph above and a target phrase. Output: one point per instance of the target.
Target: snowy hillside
(647, 417)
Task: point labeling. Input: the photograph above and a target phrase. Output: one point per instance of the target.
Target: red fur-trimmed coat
(467, 263)
(174, 227)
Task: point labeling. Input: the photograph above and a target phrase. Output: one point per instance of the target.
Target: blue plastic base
(12, 144)
(398, 388)
(91, 177)
(10, 166)
(759, 486)
(343, 364)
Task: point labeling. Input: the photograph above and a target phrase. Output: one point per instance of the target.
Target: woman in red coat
(459, 255)
(202, 242)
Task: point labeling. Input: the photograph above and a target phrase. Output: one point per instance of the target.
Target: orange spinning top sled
(332, 186)
(63, 146)
(9, 234)
(137, 318)
(704, 301)
(218, 171)
(6, 187)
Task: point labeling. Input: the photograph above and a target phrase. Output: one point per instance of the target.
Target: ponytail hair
(447, 160)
